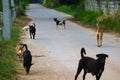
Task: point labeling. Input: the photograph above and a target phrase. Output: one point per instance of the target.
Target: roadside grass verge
(66, 9)
(84, 17)
(89, 18)
(8, 64)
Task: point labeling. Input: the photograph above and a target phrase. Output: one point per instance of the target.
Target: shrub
(110, 21)
(66, 9)
(87, 17)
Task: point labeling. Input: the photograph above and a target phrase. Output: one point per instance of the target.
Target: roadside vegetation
(8, 61)
(109, 22)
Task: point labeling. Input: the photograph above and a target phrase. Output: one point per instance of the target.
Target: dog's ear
(106, 55)
(101, 55)
(34, 24)
(55, 18)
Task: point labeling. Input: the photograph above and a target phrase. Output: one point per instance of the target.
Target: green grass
(89, 17)
(66, 9)
(8, 61)
(86, 17)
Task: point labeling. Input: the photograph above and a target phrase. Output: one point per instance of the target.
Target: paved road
(56, 52)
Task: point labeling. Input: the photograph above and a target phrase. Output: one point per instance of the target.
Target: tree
(21, 6)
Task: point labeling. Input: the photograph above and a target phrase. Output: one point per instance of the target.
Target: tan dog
(19, 50)
(99, 35)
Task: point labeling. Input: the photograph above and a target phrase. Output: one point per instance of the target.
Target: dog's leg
(78, 70)
(99, 75)
(100, 42)
(34, 35)
(64, 23)
(101, 39)
(56, 26)
(27, 69)
(97, 78)
(97, 40)
(84, 75)
(30, 35)
(64, 26)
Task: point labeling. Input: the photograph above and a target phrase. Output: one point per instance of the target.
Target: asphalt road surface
(56, 52)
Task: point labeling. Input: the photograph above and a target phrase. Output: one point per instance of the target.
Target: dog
(99, 35)
(19, 50)
(25, 29)
(32, 31)
(27, 59)
(58, 22)
(91, 65)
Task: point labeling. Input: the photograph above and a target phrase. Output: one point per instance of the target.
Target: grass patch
(7, 51)
(90, 17)
(86, 17)
(66, 9)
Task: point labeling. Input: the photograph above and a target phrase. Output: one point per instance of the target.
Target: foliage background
(77, 9)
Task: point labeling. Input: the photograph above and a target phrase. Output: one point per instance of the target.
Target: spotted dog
(58, 23)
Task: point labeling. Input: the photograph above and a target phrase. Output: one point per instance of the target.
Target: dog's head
(20, 50)
(55, 19)
(102, 57)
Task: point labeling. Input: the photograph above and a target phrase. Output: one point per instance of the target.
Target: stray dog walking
(90, 65)
(27, 59)
(32, 31)
(58, 23)
(99, 35)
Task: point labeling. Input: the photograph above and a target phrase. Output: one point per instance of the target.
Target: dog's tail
(83, 51)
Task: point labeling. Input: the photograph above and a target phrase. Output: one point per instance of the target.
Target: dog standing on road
(99, 35)
(58, 22)
(90, 65)
(27, 59)
(32, 31)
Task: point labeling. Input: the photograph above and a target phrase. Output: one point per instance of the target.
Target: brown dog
(20, 50)
(99, 35)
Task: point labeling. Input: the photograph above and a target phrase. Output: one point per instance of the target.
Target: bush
(110, 21)
(66, 9)
(51, 3)
(8, 59)
(87, 17)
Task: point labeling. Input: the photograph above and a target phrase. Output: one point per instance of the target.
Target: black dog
(27, 59)
(90, 65)
(32, 31)
(58, 22)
